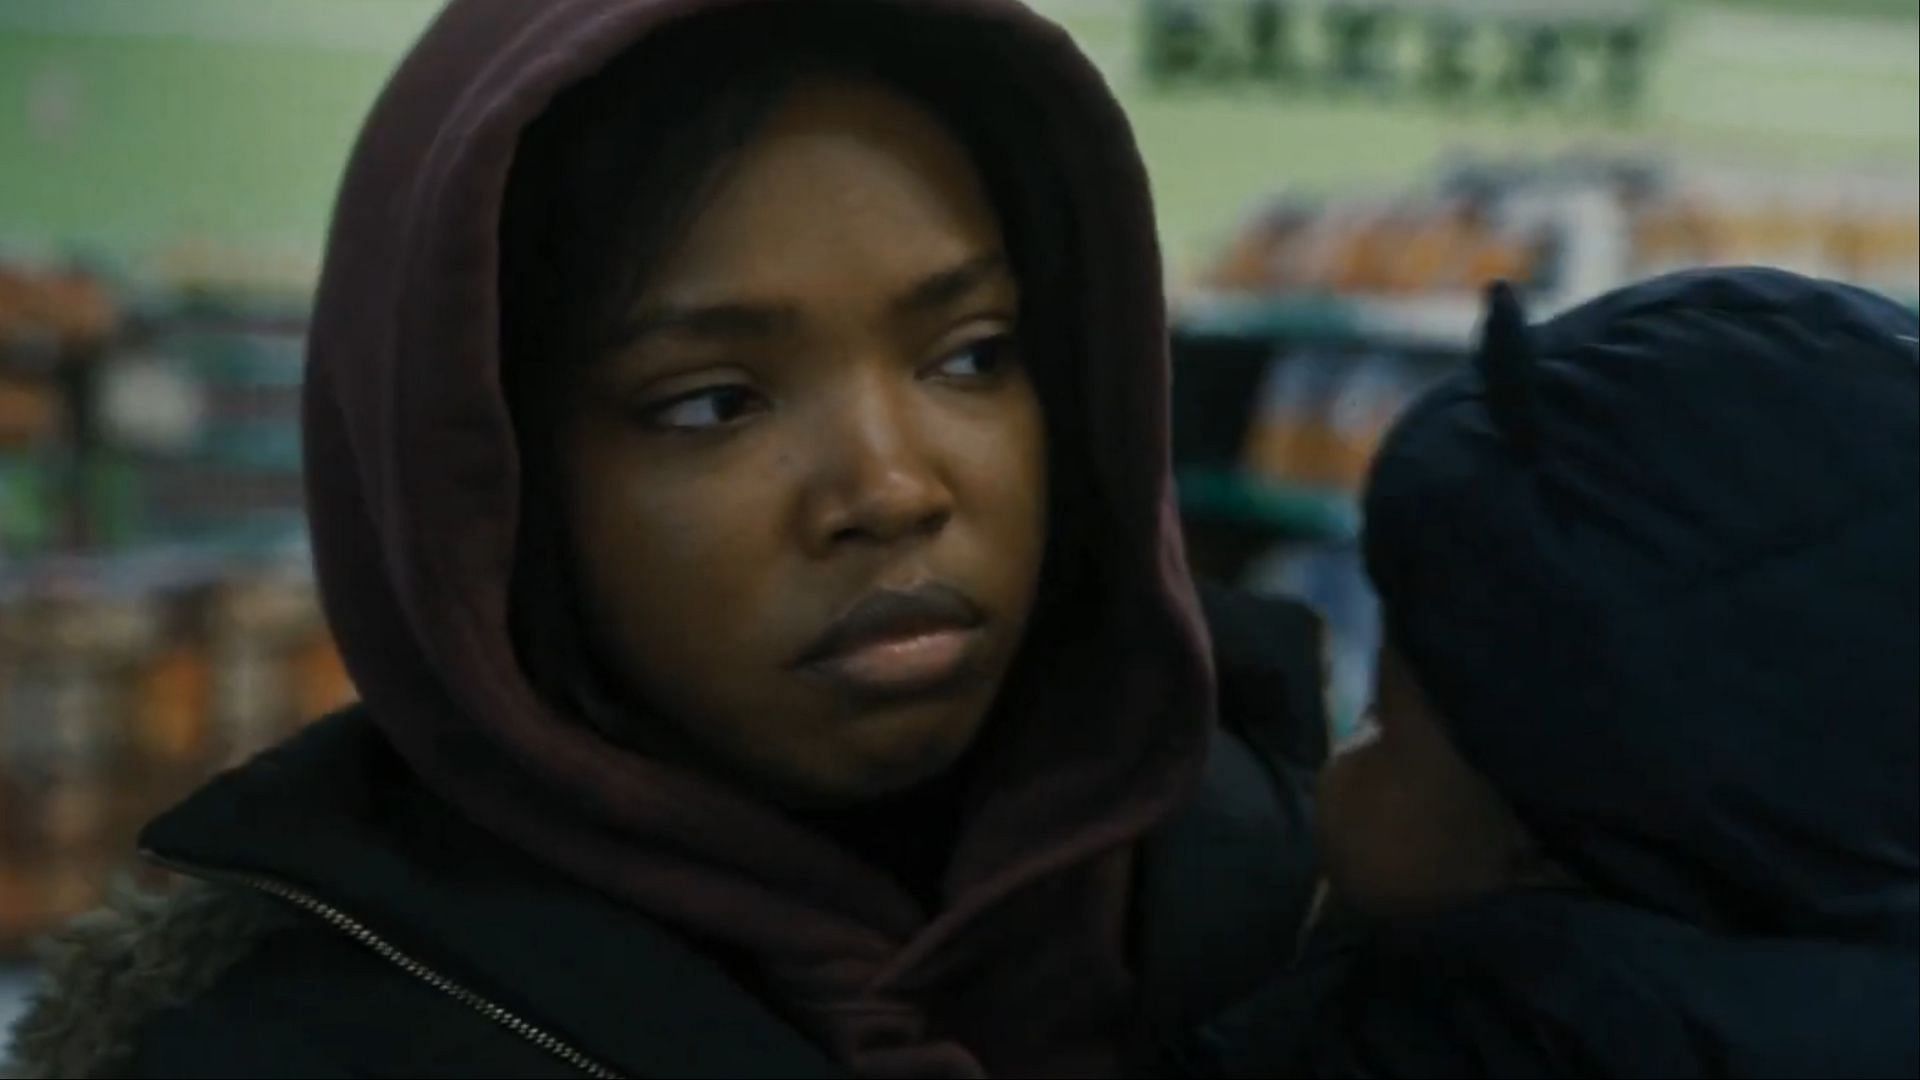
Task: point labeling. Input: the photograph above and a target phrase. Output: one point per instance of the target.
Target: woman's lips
(917, 664)
(895, 643)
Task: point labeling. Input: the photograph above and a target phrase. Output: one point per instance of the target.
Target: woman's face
(807, 489)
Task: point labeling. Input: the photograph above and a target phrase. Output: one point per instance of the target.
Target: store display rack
(1384, 295)
(157, 616)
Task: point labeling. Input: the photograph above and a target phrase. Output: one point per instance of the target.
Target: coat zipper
(400, 958)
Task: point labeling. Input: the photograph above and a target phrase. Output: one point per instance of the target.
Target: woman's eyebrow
(724, 321)
(735, 320)
(946, 287)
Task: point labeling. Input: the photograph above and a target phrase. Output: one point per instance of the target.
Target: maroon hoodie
(414, 478)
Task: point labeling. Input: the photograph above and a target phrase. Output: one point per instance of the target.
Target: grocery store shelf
(1247, 315)
(1435, 322)
(1233, 497)
(280, 552)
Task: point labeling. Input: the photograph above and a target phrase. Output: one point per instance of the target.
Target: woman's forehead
(848, 187)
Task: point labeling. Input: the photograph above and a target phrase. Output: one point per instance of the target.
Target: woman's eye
(981, 360)
(703, 410)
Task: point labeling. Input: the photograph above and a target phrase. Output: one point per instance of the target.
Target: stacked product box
(157, 617)
(125, 681)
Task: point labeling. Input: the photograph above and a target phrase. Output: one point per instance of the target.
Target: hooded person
(1645, 795)
(738, 476)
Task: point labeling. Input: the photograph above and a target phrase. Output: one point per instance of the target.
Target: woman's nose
(874, 478)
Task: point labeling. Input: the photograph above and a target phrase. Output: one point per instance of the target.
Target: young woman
(739, 486)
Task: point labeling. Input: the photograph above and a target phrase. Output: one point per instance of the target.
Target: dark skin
(818, 395)
(1407, 824)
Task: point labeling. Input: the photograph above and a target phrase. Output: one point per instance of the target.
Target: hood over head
(416, 500)
(1655, 562)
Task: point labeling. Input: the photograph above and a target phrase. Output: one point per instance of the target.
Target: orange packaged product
(1678, 234)
(249, 692)
(1429, 257)
(1715, 235)
(78, 308)
(30, 412)
(1271, 449)
(63, 722)
(1850, 243)
(1256, 262)
(1656, 239)
(1293, 438)
(1272, 445)
(59, 306)
(1496, 257)
(1374, 246)
(1369, 394)
(269, 674)
(175, 704)
(1335, 259)
(1241, 269)
(174, 686)
(16, 298)
(1798, 241)
(321, 683)
(1891, 253)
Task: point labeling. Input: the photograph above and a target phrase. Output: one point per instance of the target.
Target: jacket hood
(414, 495)
(1655, 560)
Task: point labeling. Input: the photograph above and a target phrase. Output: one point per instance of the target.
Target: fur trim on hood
(142, 953)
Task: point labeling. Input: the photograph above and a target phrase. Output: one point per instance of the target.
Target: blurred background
(1336, 180)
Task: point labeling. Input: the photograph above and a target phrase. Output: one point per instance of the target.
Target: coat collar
(336, 815)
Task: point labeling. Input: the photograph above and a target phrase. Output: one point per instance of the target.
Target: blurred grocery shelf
(157, 614)
(1287, 512)
(1436, 322)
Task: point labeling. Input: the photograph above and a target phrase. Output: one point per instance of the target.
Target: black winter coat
(341, 921)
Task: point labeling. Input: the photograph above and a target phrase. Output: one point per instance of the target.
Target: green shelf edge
(1314, 318)
(1231, 497)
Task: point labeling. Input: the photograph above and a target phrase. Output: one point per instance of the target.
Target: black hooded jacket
(1657, 561)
